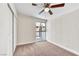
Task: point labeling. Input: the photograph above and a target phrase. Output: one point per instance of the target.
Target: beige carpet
(41, 49)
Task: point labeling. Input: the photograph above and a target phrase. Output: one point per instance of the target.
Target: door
(40, 31)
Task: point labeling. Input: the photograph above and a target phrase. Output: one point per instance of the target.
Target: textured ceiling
(28, 9)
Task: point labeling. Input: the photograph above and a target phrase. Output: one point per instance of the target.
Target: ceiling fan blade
(50, 12)
(41, 11)
(46, 4)
(57, 5)
(34, 4)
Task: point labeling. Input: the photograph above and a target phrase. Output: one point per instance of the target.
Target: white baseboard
(67, 49)
(3, 54)
(25, 43)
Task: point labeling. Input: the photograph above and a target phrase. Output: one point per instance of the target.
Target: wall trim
(63, 47)
(25, 43)
(13, 48)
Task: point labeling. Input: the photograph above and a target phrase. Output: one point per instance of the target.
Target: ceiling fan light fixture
(46, 9)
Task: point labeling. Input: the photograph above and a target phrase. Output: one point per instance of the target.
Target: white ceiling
(28, 9)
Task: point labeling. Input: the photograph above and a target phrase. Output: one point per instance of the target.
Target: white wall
(65, 30)
(48, 30)
(26, 29)
(5, 29)
(7, 44)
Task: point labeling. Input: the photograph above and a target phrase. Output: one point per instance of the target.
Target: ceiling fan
(47, 7)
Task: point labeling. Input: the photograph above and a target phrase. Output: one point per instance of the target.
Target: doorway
(40, 31)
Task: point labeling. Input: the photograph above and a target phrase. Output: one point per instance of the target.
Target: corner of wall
(63, 47)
